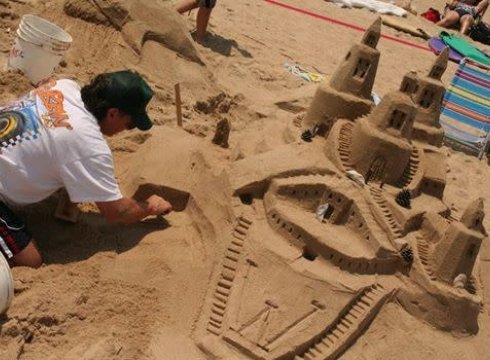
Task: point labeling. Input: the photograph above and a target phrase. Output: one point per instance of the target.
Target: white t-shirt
(48, 140)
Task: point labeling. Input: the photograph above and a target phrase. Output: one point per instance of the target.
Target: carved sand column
(348, 94)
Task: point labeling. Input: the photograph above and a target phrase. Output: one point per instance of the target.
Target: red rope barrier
(358, 28)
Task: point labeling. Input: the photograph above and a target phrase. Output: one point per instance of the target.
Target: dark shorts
(207, 3)
(464, 9)
(14, 236)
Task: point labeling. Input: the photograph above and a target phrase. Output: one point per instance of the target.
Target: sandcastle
(387, 237)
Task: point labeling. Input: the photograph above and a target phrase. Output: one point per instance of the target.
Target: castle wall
(456, 253)
(328, 105)
(372, 148)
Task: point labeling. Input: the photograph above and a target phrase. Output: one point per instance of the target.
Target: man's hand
(127, 211)
(157, 205)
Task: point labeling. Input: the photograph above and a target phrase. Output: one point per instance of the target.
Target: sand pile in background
(139, 292)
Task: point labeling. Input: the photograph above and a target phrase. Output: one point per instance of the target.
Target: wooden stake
(178, 104)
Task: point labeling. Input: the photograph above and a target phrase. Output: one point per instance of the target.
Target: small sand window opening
(427, 98)
(397, 119)
(362, 68)
(309, 254)
(246, 199)
(471, 251)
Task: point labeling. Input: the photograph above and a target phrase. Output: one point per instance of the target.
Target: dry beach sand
(146, 291)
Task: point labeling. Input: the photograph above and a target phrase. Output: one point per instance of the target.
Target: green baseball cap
(128, 91)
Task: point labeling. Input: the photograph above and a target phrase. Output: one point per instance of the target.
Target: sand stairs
(349, 326)
(227, 275)
(411, 169)
(345, 141)
(395, 228)
(454, 216)
(423, 251)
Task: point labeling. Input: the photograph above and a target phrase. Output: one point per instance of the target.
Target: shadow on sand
(223, 46)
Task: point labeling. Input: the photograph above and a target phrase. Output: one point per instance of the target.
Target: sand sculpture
(388, 237)
(348, 94)
(154, 35)
(139, 22)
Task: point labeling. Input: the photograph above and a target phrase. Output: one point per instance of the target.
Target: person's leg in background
(450, 18)
(186, 5)
(202, 22)
(466, 22)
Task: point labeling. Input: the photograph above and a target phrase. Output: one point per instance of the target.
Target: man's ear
(111, 113)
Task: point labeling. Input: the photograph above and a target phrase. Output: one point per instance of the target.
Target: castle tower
(381, 141)
(456, 252)
(428, 95)
(348, 94)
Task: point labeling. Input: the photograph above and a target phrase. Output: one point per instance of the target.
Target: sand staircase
(345, 141)
(454, 216)
(423, 251)
(395, 228)
(227, 276)
(411, 169)
(350, 324)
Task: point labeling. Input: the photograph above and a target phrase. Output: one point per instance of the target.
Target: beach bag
(480, 32)
(432, 15)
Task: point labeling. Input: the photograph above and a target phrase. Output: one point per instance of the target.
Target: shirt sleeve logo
(52, 100)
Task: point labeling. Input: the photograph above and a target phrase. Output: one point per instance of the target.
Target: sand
(148, 291)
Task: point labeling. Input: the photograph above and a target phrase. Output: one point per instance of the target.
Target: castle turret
(428, 95)
(348, 94)
(381, 141)
(456, 252)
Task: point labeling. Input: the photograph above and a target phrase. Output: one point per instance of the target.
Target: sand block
(253, 175)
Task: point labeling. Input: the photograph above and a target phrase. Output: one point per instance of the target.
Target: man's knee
(29, 256)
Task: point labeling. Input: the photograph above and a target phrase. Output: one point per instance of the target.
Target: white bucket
(38, 47)
(6, 285)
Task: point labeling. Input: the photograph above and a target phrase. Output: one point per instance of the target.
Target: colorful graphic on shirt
(52, 100)
(18, 122)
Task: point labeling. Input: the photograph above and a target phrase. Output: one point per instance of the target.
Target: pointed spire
(372, 34)
(473, 216)
(440, 64)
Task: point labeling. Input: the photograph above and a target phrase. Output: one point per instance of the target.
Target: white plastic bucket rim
(45, 29)
(6, 285)
(52, 48)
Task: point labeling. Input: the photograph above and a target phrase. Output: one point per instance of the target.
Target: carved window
(371, 40)
(471, 251)
(436, 72)
(397, 119)
(427, 98)
(376, 170)
(362, 68)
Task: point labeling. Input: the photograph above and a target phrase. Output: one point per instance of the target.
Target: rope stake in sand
(358, 28)
(178, 104)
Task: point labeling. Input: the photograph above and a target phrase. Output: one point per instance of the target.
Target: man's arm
(127, 211)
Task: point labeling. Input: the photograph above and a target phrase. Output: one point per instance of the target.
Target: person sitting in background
(463, 12)
(54, 138)
(203, 15)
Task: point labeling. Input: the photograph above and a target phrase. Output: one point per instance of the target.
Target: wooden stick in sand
(178, 104)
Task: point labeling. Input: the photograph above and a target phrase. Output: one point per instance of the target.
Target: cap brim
(142, 121)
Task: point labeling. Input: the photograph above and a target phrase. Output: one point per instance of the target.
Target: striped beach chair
(465, 113)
